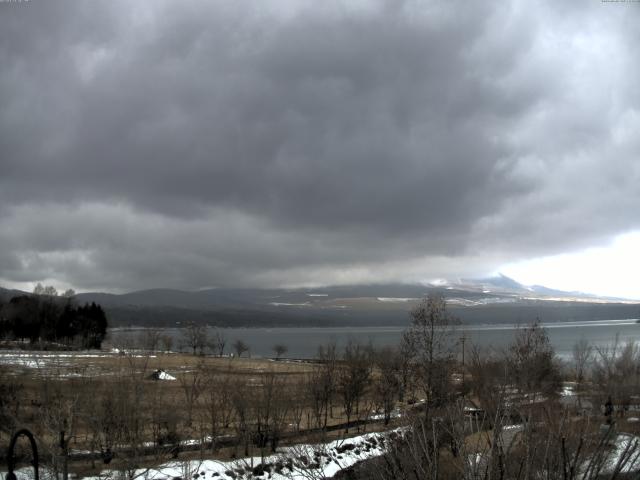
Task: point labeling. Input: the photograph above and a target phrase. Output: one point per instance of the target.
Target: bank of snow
(289, 463)
(624, 456)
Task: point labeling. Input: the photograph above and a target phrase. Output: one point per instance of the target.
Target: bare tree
(192, 384)
(353, 377)
(321, 384)
(298, 402)
(489, 380)
(194, 336)
(69, 293)
(531, 360)
(270, 411)
(616, 372)
(240, 347)
(164, 421)
(218, 407)
(150, 339)
(242, 402)
(430, 342)
(59, 415)
(167, 342)
(387, 382)
(123, 417)
(218, 343)
(582, 353)
(11, 392)
(280, 349)
(48, 290)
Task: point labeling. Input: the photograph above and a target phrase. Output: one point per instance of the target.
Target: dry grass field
(106, 402)
(135, 409)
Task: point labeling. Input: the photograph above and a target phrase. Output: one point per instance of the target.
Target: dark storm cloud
(209, 143)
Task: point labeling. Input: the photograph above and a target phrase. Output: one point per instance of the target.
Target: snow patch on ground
(395, 299)
(624, 443)
(567, 391)
(284, 304)
(380, 416)
(45, 360)
(290, 463)
(299, 462)
(518, 427)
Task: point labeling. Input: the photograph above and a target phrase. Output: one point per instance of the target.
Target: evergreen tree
(40, 317)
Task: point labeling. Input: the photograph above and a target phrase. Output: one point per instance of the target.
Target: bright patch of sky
(611, 270)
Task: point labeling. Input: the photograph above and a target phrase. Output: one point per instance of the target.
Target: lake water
(303, 342)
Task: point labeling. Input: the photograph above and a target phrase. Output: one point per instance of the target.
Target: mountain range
(498, 299)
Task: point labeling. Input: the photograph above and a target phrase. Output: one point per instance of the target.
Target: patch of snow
(44, 360)
(28, 363)
(283, 304)
(380, 416)
(516, 427)
(622, 443)
(567, 391)
(395, 299)
(290, 463)
(468, 409)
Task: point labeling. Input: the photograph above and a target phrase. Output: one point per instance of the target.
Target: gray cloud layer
(196, 143)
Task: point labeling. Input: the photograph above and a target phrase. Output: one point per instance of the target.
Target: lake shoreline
(303, 342)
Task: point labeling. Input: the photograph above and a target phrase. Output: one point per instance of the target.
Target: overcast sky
(191, 144)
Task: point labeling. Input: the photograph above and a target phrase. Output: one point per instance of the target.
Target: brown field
(105, 400)
(88, 409)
